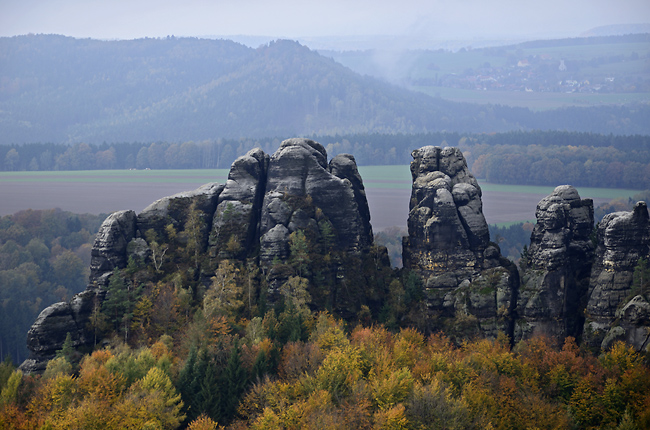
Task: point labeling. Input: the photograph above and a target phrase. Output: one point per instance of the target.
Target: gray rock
(623, 238)
(560, 254)
(235, 225)
(465, 277)
(302, 189)
(109, 249)
(174, 209)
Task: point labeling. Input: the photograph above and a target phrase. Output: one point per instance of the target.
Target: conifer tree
(235, 379)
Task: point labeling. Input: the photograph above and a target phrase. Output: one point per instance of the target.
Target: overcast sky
(439, 19)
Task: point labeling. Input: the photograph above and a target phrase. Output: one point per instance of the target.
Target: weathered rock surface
(118, 239)
(235, 225)
(623, 238)
(301, 181)
(559, 260)
(109, 248)
(448, 245)
(252, 216)
(325, 201)
(175, 209)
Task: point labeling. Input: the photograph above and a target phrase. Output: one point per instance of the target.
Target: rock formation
(448, 244)
(304, 192)
(253, 215)
(50, 329)
(275, 212)
(614, 311)
(559, 263)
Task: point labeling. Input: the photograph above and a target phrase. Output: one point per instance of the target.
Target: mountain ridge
(65, 90)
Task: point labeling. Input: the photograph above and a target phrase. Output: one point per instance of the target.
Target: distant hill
(63, 90)
(617, 30)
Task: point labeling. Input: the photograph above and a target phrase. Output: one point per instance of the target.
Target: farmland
(387, 189)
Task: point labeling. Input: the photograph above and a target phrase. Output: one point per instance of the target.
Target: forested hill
(63, 90)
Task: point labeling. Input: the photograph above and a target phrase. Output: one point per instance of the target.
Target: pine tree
(235, 379)
(67, 351)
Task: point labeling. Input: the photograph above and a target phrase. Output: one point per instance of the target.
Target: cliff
(253, 218)
(300, 228)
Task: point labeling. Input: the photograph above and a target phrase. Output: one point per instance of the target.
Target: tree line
(536, 158)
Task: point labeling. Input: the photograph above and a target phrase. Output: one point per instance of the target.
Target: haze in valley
(407, 20)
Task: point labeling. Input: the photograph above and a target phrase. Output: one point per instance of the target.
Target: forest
(312, 371)
(534, 158)
(44, 259)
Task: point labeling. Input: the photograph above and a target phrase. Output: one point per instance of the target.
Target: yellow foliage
(387, 392)
(328, 333)
(391, 419)
(339, 372)
(203, 422)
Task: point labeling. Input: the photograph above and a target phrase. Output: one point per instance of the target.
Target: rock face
(120, 237)
(559, 264)
(448, 244)
(300, 180)
(613, 310)
(235, 226)
(252, 216)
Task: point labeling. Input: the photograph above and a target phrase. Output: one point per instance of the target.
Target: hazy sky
(439, 19)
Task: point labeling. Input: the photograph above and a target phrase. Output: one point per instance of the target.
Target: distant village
(543, 73)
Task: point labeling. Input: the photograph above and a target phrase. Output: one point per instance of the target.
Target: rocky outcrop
(448, 244)
(558, 266)
(614, 311)
(119, 238)
(109, 248)
(235, 226)
(252, 216)
(326, 201)
(47, 334)
(175, 209)
(300, 181)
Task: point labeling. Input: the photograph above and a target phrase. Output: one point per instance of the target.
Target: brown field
(388, 206)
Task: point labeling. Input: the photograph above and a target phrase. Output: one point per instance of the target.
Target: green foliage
(6, 369)
(44, 259)
(121, 298)
(9, 392)
(641, 279)
(67, 351)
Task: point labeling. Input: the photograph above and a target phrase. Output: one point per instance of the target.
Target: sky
(433, 19)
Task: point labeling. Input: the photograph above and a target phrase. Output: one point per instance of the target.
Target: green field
(535, 101)
(593, 193)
